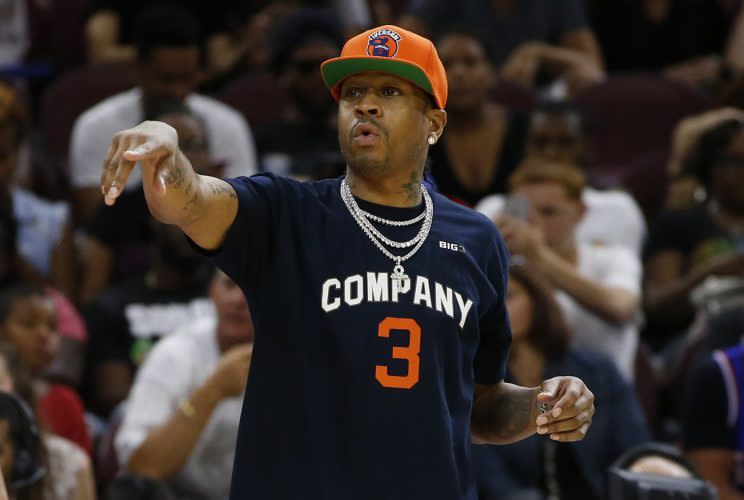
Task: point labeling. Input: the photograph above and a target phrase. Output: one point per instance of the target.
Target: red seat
(74, 92)
(257, 96)
(632, 115)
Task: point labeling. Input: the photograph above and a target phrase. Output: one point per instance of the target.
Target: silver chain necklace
(362, 219)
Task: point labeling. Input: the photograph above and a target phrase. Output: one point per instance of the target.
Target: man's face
(303, 80)
(234, 318)
(170, 73)
(553, 212)
(469, 73)
(384, 122)
(555, 137)
(727, 180)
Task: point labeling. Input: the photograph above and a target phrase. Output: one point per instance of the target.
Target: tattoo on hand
(413, 187)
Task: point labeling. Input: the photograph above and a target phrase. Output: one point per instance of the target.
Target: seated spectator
(127, 487)
(129, 318)
(684, 189)
(110, 26)
(44, 238)
(656, 471)
(29, 323)
(528, 38)
(482, 142)
(540, 348)
(683, 39)
(182, 416)
(303, 141)
(713, 421)
(66, 472)
(168, 63)
(598, 286)
(687, 246)
(556, 132)
(117, 240)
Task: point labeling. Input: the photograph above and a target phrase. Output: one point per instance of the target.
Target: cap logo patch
(383, 43)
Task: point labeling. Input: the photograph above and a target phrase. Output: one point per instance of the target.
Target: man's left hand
(571, 409)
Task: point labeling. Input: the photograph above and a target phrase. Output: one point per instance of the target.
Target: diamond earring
(432, 139)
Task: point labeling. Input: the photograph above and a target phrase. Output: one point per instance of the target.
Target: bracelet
(187, 408)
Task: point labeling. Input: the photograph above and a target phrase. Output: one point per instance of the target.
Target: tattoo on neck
(413, 187)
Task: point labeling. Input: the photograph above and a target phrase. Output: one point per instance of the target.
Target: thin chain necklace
(362, 218)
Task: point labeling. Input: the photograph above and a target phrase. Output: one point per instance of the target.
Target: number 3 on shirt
(410, 353)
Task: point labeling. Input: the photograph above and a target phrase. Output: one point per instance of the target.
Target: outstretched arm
(504, 413)
(203, 207)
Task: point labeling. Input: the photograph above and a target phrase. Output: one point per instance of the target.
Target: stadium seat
(631, 115)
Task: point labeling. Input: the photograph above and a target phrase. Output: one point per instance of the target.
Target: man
(599, 286)
(365, 383)
(302, 142)
(127, 319)
(203, 365)
(120, 235)
(556, 132)
(168, 69)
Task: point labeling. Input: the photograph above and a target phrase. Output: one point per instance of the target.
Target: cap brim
(336, 70)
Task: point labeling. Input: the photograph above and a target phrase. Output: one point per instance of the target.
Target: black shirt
(704, 417)
(511, 153)
(309, 151)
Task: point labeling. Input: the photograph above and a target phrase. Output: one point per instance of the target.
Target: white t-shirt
(230, 139)
(40, 225)
(175, 367)
(612, 218)
(617, 267)
(14, 33)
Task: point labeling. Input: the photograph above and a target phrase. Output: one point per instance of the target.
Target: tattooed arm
(203, 207)
(504, 413)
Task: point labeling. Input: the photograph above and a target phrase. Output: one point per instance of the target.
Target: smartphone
(517, 207)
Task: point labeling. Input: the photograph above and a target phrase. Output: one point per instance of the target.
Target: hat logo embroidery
(383, 43)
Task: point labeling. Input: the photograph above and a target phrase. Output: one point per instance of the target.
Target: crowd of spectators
(604, 138)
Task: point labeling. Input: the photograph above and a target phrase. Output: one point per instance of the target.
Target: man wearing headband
(381, 333)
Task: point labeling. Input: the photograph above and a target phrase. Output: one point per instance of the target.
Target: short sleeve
(667, 234)
(705, 410)
(495, 332)
(161, 383)
(623, 270)
(249, 243)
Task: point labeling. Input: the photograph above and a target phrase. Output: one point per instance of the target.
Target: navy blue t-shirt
(358, 388)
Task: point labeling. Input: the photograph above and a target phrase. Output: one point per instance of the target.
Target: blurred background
(605, 138)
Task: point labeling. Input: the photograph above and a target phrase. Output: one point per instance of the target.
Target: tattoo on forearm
(413, 187)
(503, 415)
(222, 188)
(176, 177)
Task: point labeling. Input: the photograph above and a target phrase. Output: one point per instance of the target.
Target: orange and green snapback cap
(392, 50)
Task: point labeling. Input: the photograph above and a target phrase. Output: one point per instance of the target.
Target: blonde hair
(568, 175)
